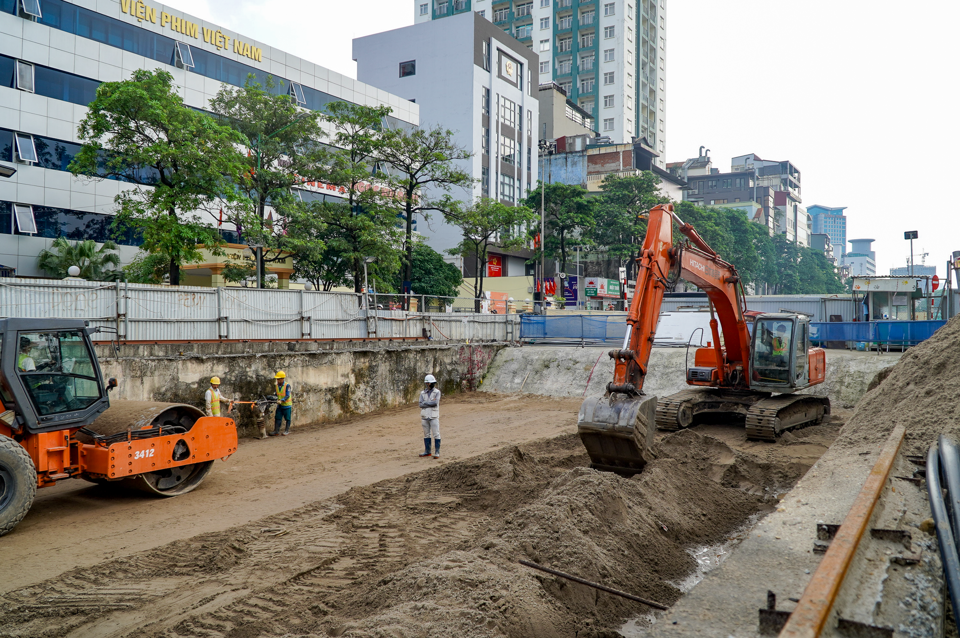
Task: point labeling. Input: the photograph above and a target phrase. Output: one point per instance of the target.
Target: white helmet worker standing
(430, 416)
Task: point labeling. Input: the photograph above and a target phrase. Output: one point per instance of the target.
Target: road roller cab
(57, 422)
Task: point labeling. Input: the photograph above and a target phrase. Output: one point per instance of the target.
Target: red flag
(220, 223)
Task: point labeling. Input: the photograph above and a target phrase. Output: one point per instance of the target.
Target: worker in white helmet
(213, 398)
(430, 416)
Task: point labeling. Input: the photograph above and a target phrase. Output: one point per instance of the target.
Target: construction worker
(284, 404)
(430, 416)
(780, 342)
(24, 361)
(212, 398)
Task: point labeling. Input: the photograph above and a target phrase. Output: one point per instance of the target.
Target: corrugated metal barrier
(140, 312)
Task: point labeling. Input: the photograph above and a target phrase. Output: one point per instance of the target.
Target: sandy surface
(343, 530)
(75, 523)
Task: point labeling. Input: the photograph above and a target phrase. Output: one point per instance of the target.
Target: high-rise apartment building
(609, 56)
(831, 221)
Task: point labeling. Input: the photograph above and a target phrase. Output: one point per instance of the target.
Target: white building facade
(470, 77)
(53, 56)
(608, 55)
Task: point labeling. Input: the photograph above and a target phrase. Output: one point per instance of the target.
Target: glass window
(607, 101)
(501, 15)
(26, 150)
(296, 90)
(408, 68)
(184, 55)
(31, 8)
(608, 55)
(483, 13)
(508, 150)
(524, 31)
(586, 40)
(544, 3)
(485, 101)
(587, 85)
(26, 224)
(587, 17)
(441, 8)
(57, 370)
(507, 188)
(68, 87)
(6, 145)
(564, 66)
(25, 76)
(609, 32)
(608, 78)
(564, 45)
(424, 8)
(485, 180)
(608, 124)
(508, 112)
(544, 23)
(545, 66)
(609, 9)
(524, 9)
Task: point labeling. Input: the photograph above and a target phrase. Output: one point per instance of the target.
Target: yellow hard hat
(215, 381)
(281, 375)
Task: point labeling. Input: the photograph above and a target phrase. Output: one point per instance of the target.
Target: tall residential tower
(609, 56)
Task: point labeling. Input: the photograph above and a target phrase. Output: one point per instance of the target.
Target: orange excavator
(752, 368)
(56, 422)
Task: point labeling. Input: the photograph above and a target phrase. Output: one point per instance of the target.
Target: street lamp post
(546, 148)
(366, 287)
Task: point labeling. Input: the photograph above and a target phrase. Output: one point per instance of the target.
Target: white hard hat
(430, 379)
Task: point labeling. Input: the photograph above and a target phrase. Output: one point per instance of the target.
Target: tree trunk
(408, 267)
(476, 282)
(174, 272)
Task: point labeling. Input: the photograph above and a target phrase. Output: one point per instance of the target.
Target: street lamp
(911, 235)
(545, 149)
(7, 171)
(366, 287)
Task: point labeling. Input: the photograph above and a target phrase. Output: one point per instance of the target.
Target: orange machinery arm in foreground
(700, 265)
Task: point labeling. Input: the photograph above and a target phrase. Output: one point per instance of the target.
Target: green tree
(146, 268)
(568, 214)
(621, 222)
(431, 275)
(181, 161)
(318, 257)
(285, 151)
(364, 224)
(423, 171)
(95, 264)
(485, 224)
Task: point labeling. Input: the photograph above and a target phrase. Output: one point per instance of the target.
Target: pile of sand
(921, 391)
(632, 534)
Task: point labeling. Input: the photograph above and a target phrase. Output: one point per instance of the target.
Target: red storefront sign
(495, 266)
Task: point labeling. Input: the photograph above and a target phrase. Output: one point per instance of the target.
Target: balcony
(564, 3)
(459, 5)
(565, 23)
(586, 64)
(587, 18)
(564, 68)
(564, 46)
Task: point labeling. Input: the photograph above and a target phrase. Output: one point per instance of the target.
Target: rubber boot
(426, 447)
(436, 448)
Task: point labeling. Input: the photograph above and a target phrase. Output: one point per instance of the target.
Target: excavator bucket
(617, 431)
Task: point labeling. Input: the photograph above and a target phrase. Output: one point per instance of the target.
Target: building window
(544, 45)
(486, 55)
(408, 68)
(483, 13)
(441, 8)
(544, 3)
(609, 32)
(608, 101)
(459, 5)
(587, 63)
(544, 23)
(609, 77)
(564, 45)
(501, 15)
(564, 66)
(508, 150)
(524, 31)
(587, 105)
(608, 55)
(184, 56)
(524, 9)
(564, 22)
(545, 66)
(26, 223)
(587, 85)
(565, 86)
(485, 101)
(485, 180)
(508, 112)
(26, 149)
(610, 9)
(485, 141)
(25, 76)
(608, 124)
(587, 17)
(424, 8)
(586, 40)
(31, 8)
(507, 188)
(296, 92)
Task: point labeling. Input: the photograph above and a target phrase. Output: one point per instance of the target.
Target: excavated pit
(435, 553)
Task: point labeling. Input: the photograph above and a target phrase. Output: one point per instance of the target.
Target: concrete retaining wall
(330, 380)
(564, 371)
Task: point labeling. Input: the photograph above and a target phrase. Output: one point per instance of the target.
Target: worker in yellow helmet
(213, 398)
(284, 404)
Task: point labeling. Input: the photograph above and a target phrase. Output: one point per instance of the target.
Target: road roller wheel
(170, 482)
(18, 483)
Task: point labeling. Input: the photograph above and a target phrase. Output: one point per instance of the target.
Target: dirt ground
(343, 530)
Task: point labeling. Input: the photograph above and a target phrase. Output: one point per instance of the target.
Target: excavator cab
(779, 348)
(50, 375)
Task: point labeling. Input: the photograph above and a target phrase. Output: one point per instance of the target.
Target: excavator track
(675, 411)
(771, 416)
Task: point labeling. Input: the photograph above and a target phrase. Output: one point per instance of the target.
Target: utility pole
(545, 149)
(911, 235)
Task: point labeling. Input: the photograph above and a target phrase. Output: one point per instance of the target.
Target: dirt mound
(920, 391)
(627, 533)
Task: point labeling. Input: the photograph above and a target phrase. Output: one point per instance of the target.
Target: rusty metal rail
(811, 613)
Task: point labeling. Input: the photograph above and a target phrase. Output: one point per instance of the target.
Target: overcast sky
(861, 97)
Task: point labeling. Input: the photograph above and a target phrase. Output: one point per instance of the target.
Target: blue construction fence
(611, 329)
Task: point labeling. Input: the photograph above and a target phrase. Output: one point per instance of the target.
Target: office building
(53, 56)
(821, 242)
(608, 55)
(470, 77)
(560, 116)
(862, 259)
(832, 221)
